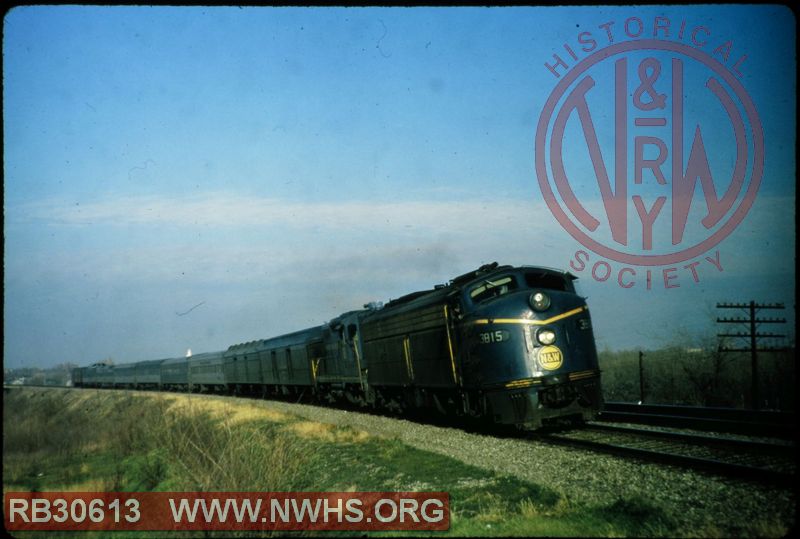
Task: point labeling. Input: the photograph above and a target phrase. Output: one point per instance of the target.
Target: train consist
(513, 345)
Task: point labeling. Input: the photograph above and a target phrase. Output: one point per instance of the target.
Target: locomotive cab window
(550, 281)
(488, 289)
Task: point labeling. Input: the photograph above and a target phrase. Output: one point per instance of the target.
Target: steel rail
(757, 446)
(719, 467)
(729, 420)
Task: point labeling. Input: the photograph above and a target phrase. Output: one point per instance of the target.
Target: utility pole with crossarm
(753, 337)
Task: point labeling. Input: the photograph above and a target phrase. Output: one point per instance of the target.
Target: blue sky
(275, 167)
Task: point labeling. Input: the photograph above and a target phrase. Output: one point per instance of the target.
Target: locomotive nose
(555, 343)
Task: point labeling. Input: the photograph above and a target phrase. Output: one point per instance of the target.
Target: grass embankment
(84, 440)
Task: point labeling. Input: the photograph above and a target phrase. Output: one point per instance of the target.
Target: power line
(751, 341)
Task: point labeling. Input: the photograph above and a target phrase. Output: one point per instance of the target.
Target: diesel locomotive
(513, 345)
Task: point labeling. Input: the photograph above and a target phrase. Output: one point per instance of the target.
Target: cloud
(233, 210)
(225, 237)
(229, 237)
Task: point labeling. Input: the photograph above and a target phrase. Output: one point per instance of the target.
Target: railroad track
(765, 462)
(771, 462)
(729, 420)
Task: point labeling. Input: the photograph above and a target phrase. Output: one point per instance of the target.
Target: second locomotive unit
(510, 344)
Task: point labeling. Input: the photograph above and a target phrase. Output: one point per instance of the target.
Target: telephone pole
(754, 339)
(641, 378)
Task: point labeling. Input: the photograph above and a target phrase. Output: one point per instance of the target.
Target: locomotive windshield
(491, 289)
(548, 280)
(498, 286)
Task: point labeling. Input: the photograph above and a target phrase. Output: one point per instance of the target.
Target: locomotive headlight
(539, 301)
(546, 336)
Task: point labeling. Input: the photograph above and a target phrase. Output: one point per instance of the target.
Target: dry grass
(240, 412)
(326, 432)
(226, 454)
(114, 440)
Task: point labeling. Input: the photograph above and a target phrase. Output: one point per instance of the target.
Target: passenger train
(513, 345)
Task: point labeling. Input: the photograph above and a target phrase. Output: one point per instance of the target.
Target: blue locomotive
(513, 345)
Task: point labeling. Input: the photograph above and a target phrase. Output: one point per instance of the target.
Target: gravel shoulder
(585, 478)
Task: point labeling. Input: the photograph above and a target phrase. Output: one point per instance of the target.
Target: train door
(240, 365)
(354, 367)
(273, 358)
(315, 352)
(453, 313)
(289, 366)
(351, 357)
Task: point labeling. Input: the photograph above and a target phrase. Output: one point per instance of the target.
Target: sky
(190, 177)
